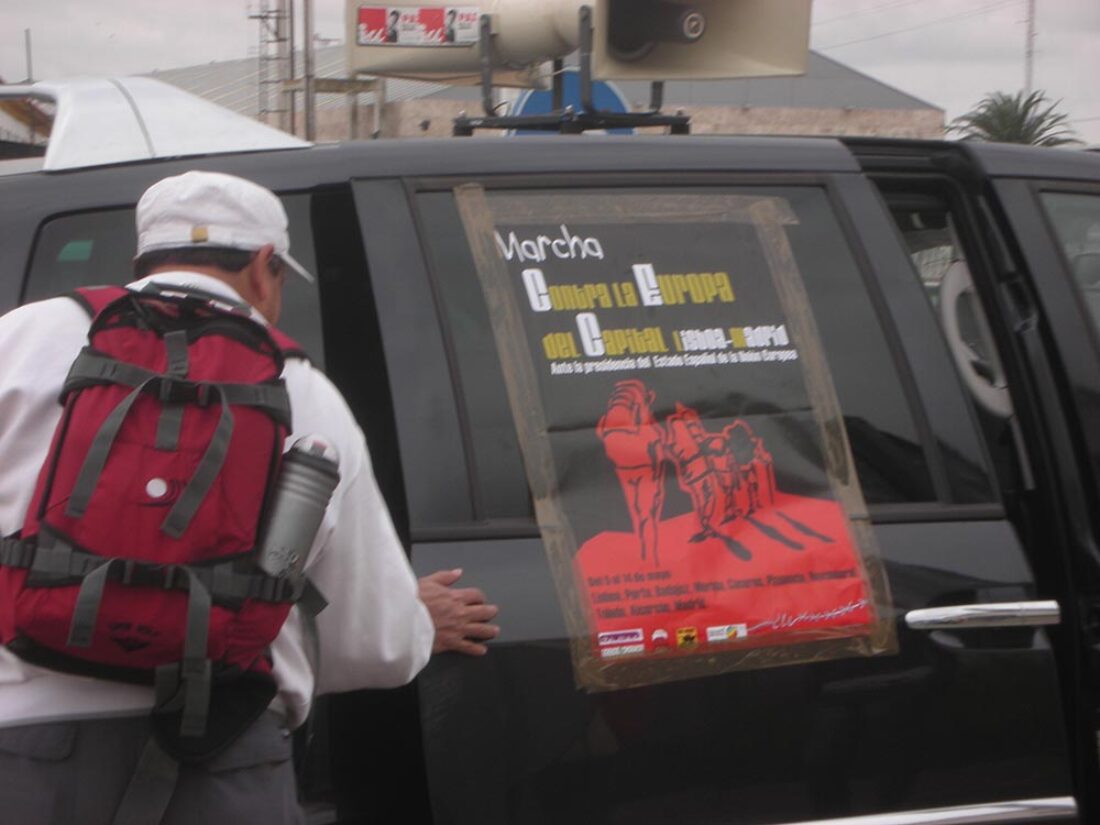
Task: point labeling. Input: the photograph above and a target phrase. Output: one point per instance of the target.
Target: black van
(956, 291)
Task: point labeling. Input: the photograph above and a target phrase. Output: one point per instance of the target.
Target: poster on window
(417, 26)
(691, 474)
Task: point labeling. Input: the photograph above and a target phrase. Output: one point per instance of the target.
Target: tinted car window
(91, 248)
(1076, 220)
(85, 249)
(886, 448)
(933, 233)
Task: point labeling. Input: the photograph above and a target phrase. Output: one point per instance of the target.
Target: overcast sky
(947, 52)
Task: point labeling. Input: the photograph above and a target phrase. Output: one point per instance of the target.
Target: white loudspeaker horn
(632, 39)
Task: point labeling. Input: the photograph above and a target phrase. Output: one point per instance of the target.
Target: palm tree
(1015, 119)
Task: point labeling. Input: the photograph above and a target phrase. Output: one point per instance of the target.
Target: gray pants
(76, 772)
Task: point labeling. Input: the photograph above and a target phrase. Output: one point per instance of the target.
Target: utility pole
(27, 42)
(30, 79)
(307, 70)
(1029, 52)
(275, 68)
(291, 102)
(308, 84)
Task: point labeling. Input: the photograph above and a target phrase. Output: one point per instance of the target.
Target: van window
(92, 248)
(85, 249)
(887, 451)
(1076, 220)
(935, 233)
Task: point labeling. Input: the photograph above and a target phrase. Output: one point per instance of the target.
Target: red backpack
(136, 560)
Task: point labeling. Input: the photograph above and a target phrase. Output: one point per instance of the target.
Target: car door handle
(997, 614)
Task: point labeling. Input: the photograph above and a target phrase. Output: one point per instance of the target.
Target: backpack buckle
(128, 568)
(170, 390)
(181, 391)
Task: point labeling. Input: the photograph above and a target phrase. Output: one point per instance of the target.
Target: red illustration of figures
(752, 487)
(633, 442)
(728, 475)
(701, 467)
(708, 471)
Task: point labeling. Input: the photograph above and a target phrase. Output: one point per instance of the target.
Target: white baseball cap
(211, 209)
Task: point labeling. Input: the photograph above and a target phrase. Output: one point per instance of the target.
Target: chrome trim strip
(1022, 810)
(1002, 614)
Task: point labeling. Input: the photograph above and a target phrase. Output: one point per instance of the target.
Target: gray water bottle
(309, 474)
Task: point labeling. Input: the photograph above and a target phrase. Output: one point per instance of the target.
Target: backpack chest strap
(15, 552)
(91, 367)
(61, 564)
(171, 414)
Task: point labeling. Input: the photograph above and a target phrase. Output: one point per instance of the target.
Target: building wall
(429, 117)
(407, 118)
(901, 123)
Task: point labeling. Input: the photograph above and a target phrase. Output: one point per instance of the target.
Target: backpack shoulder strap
(93, 299)
(287, 345)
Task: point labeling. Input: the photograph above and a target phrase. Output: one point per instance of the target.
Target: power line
(889, 7)
(972, 13)
(938, 21)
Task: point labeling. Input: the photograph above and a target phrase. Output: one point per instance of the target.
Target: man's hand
(460, 614)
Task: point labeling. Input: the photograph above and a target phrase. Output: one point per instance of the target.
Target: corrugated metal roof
(826, 84)
(235, 84)
(12, 130)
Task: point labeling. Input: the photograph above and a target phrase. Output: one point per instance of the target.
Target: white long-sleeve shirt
(375, 631)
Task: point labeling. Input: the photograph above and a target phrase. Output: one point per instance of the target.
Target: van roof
(102, 121)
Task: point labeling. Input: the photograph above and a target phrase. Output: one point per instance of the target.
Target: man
(633, 441)
(69, 744)
(392, 30)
